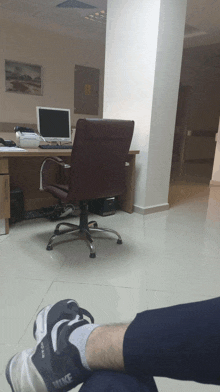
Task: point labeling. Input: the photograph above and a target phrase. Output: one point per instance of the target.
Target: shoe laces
(84, 312)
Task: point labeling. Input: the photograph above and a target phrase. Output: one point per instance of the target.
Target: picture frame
(23, 78)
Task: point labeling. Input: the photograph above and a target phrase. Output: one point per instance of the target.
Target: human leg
(180, 342)
(57, 364)
(108, 381)
(104, 348)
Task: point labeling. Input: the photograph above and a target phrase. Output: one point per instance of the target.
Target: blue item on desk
(57, 146)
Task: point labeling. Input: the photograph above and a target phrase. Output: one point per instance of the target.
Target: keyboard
(56, 147)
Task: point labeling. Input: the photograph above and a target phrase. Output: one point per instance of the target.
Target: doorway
(197, 120)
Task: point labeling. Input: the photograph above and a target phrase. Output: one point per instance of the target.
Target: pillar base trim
(151, 210)
(214, 183)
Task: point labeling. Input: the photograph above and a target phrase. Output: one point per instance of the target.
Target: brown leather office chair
(96, 170)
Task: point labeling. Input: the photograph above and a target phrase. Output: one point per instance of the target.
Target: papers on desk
(11, 149)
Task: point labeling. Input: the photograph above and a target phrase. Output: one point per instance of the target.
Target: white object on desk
(28, 139)
(10, 149)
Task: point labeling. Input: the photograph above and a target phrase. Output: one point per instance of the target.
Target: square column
(144, 44)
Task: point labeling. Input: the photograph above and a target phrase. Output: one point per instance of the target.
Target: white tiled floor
(166, 258)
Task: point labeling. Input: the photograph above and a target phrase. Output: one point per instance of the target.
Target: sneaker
(54, 364)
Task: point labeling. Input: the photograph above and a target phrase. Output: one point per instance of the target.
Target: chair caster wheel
(119, 242)
(93, 223)
(49, 247)
(92, 255)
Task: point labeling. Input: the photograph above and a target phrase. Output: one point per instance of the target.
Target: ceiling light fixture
(75, 4)
(99, 17)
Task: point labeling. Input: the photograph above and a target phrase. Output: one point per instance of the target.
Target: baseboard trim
(151, 210)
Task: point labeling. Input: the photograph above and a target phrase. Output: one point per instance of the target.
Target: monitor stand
(54, 143)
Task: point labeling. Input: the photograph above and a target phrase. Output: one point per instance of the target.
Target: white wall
(216, 167)
(165, 96)
(57, 54)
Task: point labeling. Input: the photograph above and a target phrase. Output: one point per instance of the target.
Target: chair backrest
(98, 158)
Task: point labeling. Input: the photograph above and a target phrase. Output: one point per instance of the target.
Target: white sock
(79, 339)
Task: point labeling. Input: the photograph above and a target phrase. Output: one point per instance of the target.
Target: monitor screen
(54, 124)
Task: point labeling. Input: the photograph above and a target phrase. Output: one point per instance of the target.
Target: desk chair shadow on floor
(96, 170)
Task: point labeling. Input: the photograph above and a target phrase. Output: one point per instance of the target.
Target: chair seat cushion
(62, 187)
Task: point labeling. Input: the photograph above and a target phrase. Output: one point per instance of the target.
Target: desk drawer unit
(4, 197)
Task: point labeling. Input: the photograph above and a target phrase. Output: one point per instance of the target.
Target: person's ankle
(104, 348)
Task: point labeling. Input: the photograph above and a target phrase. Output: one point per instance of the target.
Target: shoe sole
(7, 374)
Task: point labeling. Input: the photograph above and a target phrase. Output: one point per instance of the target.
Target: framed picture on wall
(23, 78)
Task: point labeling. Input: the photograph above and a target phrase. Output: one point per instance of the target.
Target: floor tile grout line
(35, 314)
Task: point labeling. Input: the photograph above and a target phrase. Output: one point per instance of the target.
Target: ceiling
(63, 16)
(203, 16)
(69, 17)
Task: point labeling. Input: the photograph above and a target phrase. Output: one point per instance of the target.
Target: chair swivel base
(81, 232)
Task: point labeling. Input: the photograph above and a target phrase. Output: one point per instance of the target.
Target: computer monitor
(54, 124)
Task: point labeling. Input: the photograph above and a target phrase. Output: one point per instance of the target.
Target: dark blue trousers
(180, 342)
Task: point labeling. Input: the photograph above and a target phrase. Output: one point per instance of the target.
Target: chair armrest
(45, 166)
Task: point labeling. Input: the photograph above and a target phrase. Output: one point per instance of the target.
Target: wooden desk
(22, 169)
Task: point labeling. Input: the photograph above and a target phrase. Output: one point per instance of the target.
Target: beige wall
(57, 54)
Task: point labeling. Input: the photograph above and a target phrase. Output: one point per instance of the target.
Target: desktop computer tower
(103, 207)
(16, 205)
